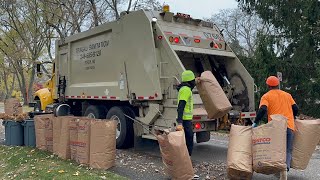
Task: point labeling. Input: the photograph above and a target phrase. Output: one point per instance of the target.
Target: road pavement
(209, 160)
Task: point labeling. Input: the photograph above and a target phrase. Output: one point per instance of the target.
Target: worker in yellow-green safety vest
(185, 107)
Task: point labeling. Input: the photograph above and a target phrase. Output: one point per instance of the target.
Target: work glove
(198, 80)
(179, 127)
(254, 125)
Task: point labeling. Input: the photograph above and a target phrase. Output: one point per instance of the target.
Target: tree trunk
(94, 12)
(5, 80)
(12, 85)
(22, 85)
(30, 88)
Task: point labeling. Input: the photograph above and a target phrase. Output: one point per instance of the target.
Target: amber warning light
(166, 8)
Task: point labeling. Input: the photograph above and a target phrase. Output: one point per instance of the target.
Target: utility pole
(279, 75)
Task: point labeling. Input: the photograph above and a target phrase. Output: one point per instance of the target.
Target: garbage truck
(128, 70)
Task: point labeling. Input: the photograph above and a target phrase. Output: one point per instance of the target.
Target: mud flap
(203, 136)
(138, 141)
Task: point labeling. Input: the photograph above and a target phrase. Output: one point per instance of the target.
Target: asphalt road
(209, 160)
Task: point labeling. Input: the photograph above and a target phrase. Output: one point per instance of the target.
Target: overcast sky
(199, 8)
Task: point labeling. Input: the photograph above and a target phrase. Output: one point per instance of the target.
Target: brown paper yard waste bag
(64, 142)
(12, 107)
(43, 131)
(239, 160)
(56, 134)
(306, 137)
(103, 144)
(269, 146)
(80, 139)
(175, 155)
(214, 99)
(49, 134)
(73, 133)
(83, 149)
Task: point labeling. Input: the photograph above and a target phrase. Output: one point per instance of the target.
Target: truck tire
(203, 136)
(95, 112)
(125, 133)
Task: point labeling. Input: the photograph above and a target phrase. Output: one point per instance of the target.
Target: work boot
(196, 177)
(283, 175)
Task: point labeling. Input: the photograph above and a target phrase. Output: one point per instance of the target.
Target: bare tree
(118, 6)
(26, 22)
(147, 4)
(241, 29)
(6, 75)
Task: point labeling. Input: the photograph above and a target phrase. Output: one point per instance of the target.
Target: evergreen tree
(294, 50)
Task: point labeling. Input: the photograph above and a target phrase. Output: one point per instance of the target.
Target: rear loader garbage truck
(130, 68)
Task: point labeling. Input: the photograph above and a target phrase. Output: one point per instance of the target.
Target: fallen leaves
(28, 163)
(61, 171)
(210, 170)
(76, 173)
(19, 117)
(139, 162)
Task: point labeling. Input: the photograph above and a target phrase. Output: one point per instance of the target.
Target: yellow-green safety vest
(185, 93)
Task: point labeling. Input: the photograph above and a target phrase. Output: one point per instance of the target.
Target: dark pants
(290, 136)
(187, 125)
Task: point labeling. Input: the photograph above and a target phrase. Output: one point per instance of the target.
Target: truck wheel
(95, 112)
(203, 136)
(125, 126)
(248, 122)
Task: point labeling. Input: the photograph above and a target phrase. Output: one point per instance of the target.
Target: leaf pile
(19, 117)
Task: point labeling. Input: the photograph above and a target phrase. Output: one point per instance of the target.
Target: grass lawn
(27, 109)
(29, 163)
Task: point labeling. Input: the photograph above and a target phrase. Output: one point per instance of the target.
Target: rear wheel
(125, 133)
(203, 136)
(95, 112)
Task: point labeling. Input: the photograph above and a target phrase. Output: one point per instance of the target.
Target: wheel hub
(91, 115)
(118, 130)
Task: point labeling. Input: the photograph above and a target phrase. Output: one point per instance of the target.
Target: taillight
(197, 40)
(197, 117)
(214, 45)
(160, 37)
(197, 125)
(176, 40)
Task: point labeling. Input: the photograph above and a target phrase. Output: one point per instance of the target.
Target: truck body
(129, 70)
